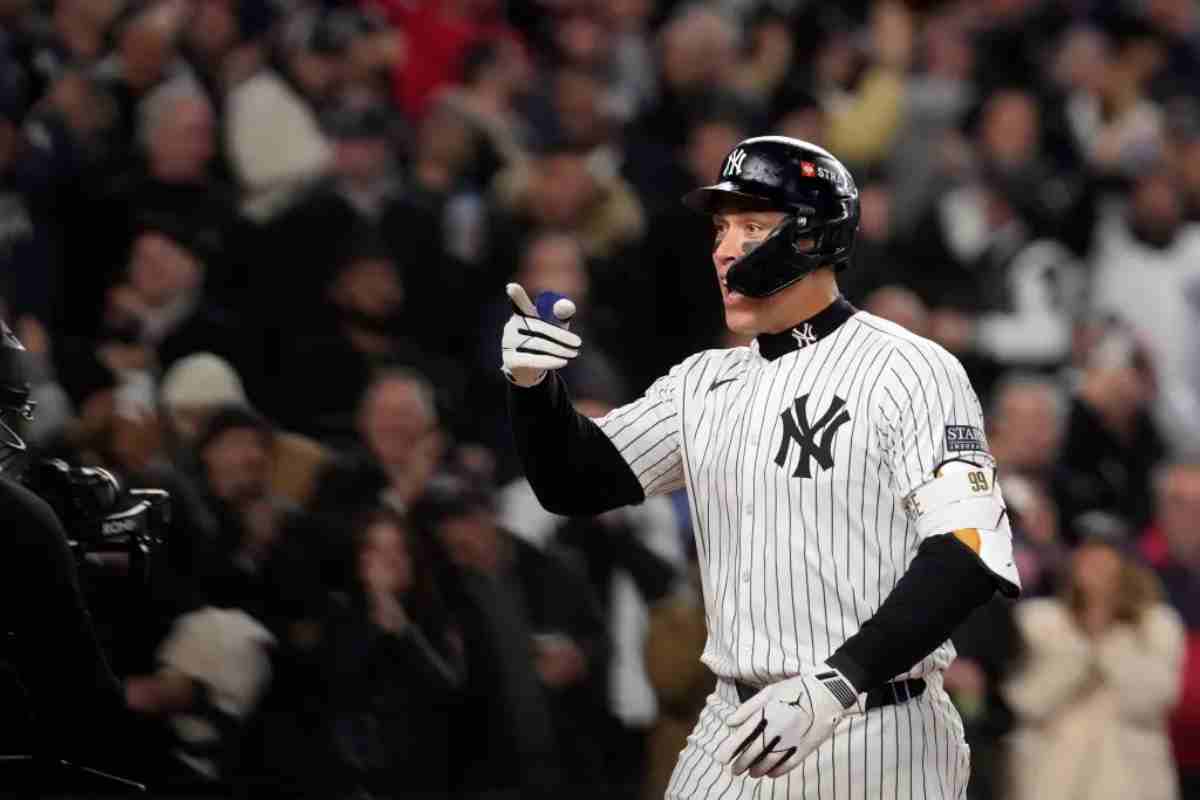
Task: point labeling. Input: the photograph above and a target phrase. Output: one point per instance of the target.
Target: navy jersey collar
(773, 345)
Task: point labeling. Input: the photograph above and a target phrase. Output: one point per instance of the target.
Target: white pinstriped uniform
(794, 557)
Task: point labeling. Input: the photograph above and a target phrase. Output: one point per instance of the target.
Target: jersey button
(746, 576)
(749, 509)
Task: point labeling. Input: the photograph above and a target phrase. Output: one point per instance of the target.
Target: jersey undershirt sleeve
(580, 466)
(573, 467)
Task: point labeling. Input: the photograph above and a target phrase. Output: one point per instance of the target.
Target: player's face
(737, 233)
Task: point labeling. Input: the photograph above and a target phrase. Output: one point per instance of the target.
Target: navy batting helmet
(807, 183)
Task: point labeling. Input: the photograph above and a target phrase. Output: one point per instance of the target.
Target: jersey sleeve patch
(965, 438)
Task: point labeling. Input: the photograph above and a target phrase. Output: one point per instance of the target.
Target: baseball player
(845, 505)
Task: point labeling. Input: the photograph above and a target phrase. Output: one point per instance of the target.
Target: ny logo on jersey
(797, 428)
(733, 165)
(804, 336)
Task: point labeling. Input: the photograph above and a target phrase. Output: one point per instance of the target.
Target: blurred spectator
(1098, 681)
(697, 49)
(578, 192)
(76, 34)
(157, 312)
(564, 188)
(1040, 550)
(214, 667)
(800, 116)
(176, 188)
(145, 55)
(900, 306)
(367, 48)
(866, 104)
(359, 330)
(401, 443)
(1145, 268)
(495, 73)
(1010, 37)
(580, 108)
(367, 174)
(30, 272)
(276, 145)
(938, 96)
(1172, 547)
(445, 217)
(1016, 154)
(394, 664)
(634, 75)
(1027, 421)
(549, 651)
(1183, 151)
(877, 259)
(198, 386)
(1002, 298)
(1110, 445)
(767, 53)
(1177, 24)
(224, 41)
(1077, 75)
(1115, 125)
(233, 452)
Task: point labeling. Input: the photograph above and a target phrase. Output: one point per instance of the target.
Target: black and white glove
(774, 731)
(531, 344)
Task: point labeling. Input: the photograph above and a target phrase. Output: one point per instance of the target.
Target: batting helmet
(807, 183)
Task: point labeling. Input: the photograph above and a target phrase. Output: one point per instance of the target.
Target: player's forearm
(573, 467)
(943, 585)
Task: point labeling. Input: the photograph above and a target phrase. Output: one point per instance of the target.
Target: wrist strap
(839, 687)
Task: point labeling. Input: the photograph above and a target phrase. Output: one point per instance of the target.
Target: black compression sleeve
(943, 585)
(572, 466)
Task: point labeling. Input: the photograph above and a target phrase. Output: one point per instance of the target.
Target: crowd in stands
(258, 249)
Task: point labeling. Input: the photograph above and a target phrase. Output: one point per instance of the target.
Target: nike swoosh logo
(715, 384)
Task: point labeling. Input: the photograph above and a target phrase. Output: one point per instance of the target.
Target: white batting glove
(531, 345)
(778, 728)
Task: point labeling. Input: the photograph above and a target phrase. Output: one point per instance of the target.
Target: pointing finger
(520, 300)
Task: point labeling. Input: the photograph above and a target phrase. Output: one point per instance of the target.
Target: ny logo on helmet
(798, 429)
(733, 165)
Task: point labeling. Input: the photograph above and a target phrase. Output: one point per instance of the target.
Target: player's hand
(774, 731)
(531, 344)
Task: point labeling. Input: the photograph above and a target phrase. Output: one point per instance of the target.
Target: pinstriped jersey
(796, 462)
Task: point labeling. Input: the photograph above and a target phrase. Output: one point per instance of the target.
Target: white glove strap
(840, 688)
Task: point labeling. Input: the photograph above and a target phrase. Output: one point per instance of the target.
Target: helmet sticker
(733, 165)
